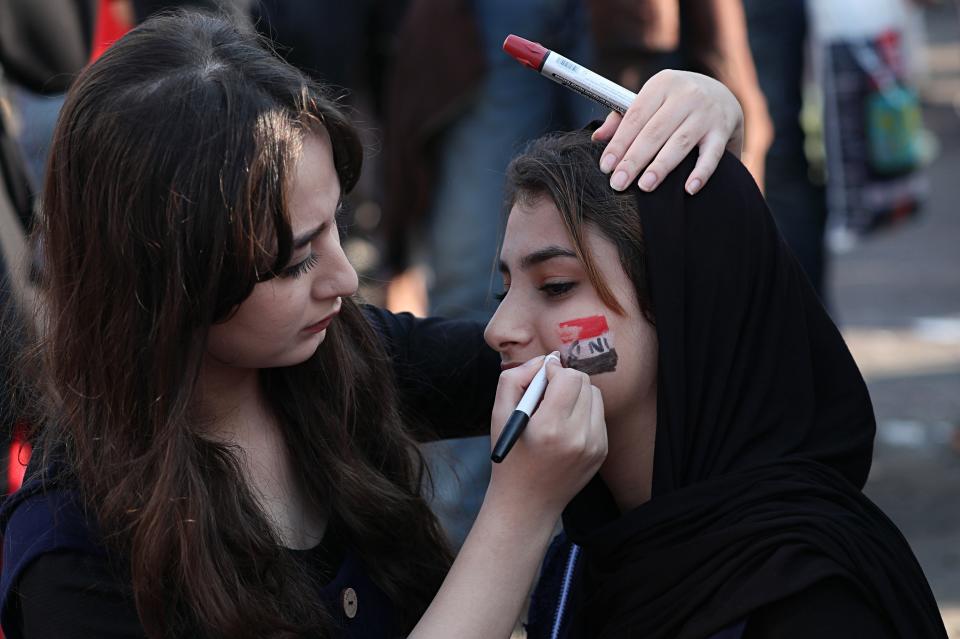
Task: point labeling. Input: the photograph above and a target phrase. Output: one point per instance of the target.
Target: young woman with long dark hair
(225, 440)
(740, 430)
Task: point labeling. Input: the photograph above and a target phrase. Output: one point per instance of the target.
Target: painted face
(284, 319)
(550, 304)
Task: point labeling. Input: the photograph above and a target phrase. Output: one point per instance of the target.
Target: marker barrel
(587, 83)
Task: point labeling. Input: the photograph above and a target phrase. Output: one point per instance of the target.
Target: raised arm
(561, 449)
(446, 374)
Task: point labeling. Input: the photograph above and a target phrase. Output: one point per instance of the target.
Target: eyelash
(297, 270)
(554, 289)
(557, 289)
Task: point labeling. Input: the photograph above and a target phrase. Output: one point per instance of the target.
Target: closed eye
(300, 268)
(557, 289)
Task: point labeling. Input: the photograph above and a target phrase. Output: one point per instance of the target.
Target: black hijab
(764, 439)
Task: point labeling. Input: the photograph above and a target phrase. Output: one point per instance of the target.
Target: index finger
(626, 129)
(563, 390)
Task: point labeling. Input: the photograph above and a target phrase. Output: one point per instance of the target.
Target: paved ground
(897, 298)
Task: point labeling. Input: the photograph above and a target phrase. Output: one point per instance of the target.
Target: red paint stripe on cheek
(583, 328)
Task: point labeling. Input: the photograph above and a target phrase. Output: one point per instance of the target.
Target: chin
(306, 351)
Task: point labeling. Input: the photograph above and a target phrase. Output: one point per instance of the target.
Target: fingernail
(619, 180)
(694, 186)
(606, 164)
(648, 180)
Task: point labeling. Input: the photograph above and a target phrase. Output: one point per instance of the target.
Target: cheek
(261, 325)
(272, 310)
(634, 383)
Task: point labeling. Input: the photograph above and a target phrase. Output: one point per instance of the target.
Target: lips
(322, 324)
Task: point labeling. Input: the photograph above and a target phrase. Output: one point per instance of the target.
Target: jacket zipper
(565, 590)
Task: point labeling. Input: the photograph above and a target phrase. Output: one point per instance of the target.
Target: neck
(628, 469)
(227, 397)
(232, 404)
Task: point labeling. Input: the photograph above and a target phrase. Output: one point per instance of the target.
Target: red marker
(569, 73)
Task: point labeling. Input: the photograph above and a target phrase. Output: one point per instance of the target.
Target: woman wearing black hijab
(740, 430)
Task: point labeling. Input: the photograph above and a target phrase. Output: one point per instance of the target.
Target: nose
(336, 277)
(508, 332)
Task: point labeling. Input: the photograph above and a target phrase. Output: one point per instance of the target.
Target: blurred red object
(114, 18)
(18, 459)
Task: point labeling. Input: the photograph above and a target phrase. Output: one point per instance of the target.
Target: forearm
(732, 62)
(487, 587)
(715, 35)
(562, 447)
(445, 373)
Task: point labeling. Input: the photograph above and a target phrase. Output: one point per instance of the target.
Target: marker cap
(525, 52)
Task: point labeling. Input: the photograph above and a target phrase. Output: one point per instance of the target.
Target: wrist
(520, 510)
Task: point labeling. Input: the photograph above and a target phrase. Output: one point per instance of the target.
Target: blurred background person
(778, 40)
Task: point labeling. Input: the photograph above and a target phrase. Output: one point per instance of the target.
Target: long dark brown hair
(564, 168)
(164, 205)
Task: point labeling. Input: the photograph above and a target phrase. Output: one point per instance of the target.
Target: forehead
(533, 224)
(315, 186)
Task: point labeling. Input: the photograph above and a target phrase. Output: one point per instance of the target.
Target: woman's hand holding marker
(561, 448)
(674, 112)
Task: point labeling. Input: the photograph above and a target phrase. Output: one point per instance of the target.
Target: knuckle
(632, 118)
(549, 439)
(614, 148)
(507, 379)
(664, 76)
(655, 130)
(714, 153)
(683, 140)
(698, 92)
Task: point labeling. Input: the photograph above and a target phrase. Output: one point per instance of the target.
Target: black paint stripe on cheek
(596, 364)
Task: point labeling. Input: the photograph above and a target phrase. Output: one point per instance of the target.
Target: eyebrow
(538, 257)
(302, 240)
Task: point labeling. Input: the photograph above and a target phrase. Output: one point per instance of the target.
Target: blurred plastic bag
(866, 55)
